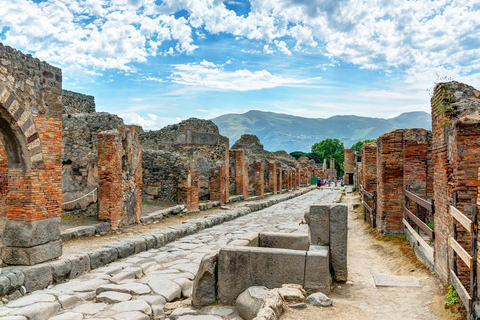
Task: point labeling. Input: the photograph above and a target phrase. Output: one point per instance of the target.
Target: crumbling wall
(80, 158)
(120, 176)
(3, 181)
(74, 102)
(369, 171)
(194, 139)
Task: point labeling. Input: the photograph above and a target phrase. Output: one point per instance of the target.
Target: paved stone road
(139, 287)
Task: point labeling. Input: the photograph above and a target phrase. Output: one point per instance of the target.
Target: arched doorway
(31, 139)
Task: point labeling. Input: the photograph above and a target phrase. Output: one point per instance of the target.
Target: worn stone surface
(38, 311)
(319, 299)
(250, 301)
(166, 288)
(317, 269)
(37, 277)
(283, 241)
(338, 241)
(318, 221)
(204, 290)
(33, 255)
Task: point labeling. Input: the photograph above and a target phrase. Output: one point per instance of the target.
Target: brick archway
(31, 141)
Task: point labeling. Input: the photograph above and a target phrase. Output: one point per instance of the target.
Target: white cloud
(282, 46)
(213, 77)
(148, 122)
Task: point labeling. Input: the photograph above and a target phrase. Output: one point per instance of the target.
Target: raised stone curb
(85, 231)
(71, 266)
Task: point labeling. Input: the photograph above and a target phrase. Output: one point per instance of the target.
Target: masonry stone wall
(259, 179)
(80, 158)
(188, 184)
(30, 131)
(161, 176)
(74, 102)
(194, 139)
(349, 165)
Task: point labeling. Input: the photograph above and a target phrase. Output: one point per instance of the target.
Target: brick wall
(455, 145)
(390, 182)
(3, 181)
(272, 176)
(110, 177)
(279, 178)
(120, 176)
(219, 183)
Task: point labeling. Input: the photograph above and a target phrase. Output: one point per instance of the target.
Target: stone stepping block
(113, 297)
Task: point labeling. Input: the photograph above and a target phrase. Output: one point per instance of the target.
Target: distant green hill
(279, 131)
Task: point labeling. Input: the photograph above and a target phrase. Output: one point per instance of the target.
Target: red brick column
(390, 182)
(3, 181)
(259, 184)
(219, 183)
(272, 175)
(279, 179)
(349, 165)
(369, 171)
(188, 185)
(241, 173)
(110, 177)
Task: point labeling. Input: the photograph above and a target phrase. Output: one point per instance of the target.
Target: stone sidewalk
(141, 286)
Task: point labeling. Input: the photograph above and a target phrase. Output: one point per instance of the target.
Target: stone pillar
(219, 183)
(110, 195)
(272, 176)
(332, 171)
(349, 166)
(297, 178)
(279, 179)
(241, 173)
(259, 184)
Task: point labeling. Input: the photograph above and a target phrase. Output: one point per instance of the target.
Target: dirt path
(358, 298)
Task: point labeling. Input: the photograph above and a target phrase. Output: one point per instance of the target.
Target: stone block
(27, 234)
(205, 284)
(317, 270)
(338, 241)
(80, 264)
(242, 267)
(318, 222)
(252, 237)
(284, 241)
(250, 301)
(33, 255)
(102, 257)
(37, 277)
(60, 269)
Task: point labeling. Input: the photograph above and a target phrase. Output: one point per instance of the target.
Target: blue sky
(157, 62)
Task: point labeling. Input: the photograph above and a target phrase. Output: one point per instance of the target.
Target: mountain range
(278, 131)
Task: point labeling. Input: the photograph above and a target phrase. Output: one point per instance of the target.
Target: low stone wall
(74, 102)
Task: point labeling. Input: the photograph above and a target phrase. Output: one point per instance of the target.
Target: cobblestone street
(139, 287)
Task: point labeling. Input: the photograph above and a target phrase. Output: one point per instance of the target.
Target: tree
(330, 148)
(298, 154)
(357, 146)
